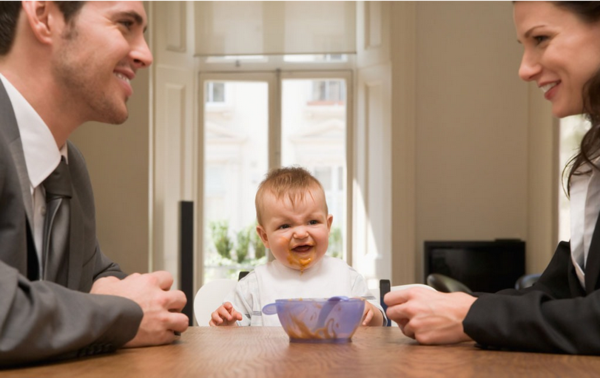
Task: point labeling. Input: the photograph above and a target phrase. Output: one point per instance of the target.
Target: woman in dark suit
(561, 312)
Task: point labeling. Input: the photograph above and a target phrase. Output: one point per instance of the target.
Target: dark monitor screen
(485, 266)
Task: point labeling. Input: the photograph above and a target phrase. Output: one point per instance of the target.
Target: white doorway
(252, 122)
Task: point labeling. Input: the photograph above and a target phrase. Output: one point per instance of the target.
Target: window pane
(334, 89)
(304, 58)
(237, 59)
(328, 93)
(235, 161)
(315, 138)
(215, 92)
(323, 174)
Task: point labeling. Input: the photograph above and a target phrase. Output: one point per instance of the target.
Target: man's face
(97, 55)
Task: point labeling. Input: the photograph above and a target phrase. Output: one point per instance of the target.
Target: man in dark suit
(63, 64)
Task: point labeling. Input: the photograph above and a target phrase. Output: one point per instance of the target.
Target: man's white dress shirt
(42, 156)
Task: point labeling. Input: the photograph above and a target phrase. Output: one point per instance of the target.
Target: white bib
(328, 277)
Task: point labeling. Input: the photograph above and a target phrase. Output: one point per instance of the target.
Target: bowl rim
(316, 300)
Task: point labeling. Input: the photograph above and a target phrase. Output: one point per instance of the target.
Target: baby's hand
(367, 314)
(224, 316)
(372, 316)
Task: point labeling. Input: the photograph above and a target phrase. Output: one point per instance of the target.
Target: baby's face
(297, 234)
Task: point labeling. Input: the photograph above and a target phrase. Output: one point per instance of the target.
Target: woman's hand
(430, 317)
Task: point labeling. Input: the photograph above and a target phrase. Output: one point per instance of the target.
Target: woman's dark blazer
(556, 315)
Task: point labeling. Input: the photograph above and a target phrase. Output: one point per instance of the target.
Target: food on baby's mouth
(301, 262)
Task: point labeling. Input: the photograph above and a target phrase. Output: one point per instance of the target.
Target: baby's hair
(295, 182)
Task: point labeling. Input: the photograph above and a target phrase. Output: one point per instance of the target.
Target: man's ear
(263, 235)
(42, 18)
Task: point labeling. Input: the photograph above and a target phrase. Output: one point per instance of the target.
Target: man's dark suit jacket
(42, 320)
(556, 315)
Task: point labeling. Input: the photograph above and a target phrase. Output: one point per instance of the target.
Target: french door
(256, 121)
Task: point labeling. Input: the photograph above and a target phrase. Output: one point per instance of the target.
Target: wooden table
(244, 352)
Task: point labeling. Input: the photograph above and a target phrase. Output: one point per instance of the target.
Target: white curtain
(274, 27)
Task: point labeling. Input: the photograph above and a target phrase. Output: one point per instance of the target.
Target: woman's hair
(9, 15)
(293, 182)
(587, 11)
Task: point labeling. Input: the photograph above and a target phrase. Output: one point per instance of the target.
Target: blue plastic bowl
(318, 320)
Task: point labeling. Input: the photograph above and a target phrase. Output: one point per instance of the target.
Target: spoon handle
(270, 309)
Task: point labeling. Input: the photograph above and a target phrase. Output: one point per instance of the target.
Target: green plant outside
(257, 244)
(243, 244)
(247, 239)
(221, 239)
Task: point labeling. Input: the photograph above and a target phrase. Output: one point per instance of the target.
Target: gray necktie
(56, 225)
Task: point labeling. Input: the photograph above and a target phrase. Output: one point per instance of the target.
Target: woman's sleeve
(544, 318)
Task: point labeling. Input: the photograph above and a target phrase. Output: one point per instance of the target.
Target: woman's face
(561, 53)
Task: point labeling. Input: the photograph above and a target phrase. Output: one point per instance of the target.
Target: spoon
(271, 308)
(329, 305)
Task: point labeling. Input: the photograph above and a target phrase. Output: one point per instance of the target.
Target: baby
(294, 224)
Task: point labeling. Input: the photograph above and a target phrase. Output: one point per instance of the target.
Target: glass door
(235, 159)
(313, 123)
(253, 122)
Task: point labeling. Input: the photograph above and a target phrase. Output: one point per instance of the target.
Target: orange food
(306, 322)
(302, 331)
(302, 263)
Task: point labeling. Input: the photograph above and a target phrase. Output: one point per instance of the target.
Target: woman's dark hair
(587, 11)
(9, 15)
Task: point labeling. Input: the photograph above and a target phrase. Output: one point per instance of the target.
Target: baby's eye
(283, 227)
(313, 222)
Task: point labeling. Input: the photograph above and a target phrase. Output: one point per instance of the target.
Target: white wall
(118, 161)
(471, 123)
(473, 156)
(472, 148)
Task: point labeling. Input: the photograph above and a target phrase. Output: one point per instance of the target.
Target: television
(484, 266)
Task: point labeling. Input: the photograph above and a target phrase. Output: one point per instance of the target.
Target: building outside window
(215, 92)
(328, 92)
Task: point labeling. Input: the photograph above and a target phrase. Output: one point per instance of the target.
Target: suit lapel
(10, 130)
(16, 149)
(592, 265)
(76, 241)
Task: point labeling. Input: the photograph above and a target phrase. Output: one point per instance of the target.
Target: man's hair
(295, 182)
(9, 15)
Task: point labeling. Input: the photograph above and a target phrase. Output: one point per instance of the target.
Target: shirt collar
(39, 147)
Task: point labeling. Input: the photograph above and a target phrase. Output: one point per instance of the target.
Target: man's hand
(429, 316)
(161, 307)
(224, 316)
